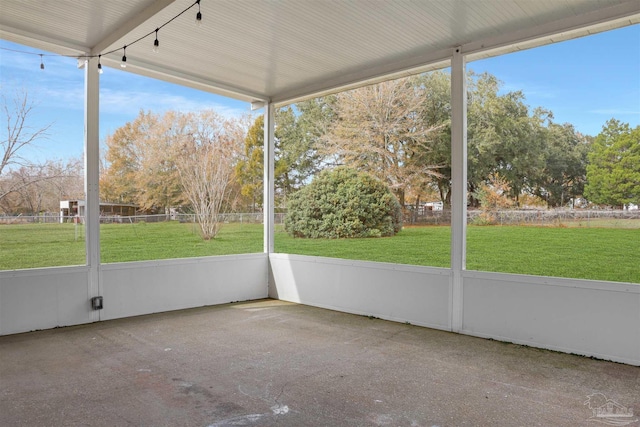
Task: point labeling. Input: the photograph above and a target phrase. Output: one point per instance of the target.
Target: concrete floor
(268, 362)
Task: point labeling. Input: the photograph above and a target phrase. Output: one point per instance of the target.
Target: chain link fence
(426, 217)
(523, 217)
(51, 218)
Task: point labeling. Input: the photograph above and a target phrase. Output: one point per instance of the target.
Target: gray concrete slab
(268, 362)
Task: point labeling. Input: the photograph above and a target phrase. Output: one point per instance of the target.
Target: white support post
(268, 204)
(458, 186)
(92, 176)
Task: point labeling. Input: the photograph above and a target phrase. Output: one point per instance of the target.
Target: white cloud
(131, 102)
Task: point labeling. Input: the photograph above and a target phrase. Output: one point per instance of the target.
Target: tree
(400, 131)
(249, 169)
(436, 112)
(493, 196)
(343, 203)
(378, 129)
(292, 154)
(118, 181)
(564, 175)
(158, 176)
(613, 172)
(295, 156)
(19, 134)
(179, 159)
(139, 162)
(206, 163)
(315, 118)
(502, 136)
(36, 188)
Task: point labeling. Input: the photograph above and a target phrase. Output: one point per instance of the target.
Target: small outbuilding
(76, 208)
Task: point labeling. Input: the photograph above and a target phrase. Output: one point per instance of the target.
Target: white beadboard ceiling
(286, 50)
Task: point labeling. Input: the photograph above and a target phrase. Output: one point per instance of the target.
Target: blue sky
(585, 82)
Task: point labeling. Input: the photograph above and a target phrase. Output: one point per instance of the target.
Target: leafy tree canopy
(613, 172)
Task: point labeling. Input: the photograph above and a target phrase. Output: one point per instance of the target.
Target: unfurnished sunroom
(276, 53)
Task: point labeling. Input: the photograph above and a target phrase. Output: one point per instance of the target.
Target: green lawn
(45, 245)
(585, 253)
(580, 252)
(414, 245)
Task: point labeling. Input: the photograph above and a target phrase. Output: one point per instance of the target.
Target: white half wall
(50, 297)
(600, 319)
(403, 293)
(136, 288)
(591, 318)
(43, 298)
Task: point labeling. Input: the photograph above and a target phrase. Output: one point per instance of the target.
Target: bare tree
(35, 188)
(19, 134)
(16, 172)
(206, 164)
(380, 129)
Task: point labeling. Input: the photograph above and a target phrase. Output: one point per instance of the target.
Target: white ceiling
(285, 50)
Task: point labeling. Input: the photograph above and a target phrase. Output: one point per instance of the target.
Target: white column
(458, 186)
(269, 174)
(91, 178)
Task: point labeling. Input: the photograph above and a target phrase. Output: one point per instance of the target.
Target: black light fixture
(198, 15)
(123, 64)
(156, 43)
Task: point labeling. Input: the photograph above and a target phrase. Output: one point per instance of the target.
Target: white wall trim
(43, 271)
(562, 349)
(633, 288)
(178, 261)
(386, 266)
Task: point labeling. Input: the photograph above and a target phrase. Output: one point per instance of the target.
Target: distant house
(434, 206)
(76, 209)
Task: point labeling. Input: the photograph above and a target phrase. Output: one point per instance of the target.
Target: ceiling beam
(185, 79)
(129, 25)
(365, 75)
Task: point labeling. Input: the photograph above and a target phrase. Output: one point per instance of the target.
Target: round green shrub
(343, 203)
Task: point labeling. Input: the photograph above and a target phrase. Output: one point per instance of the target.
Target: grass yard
(580, 252)
(584, 253)
(41, 245)
(413, 245)
(48, 245)
(164, 240)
